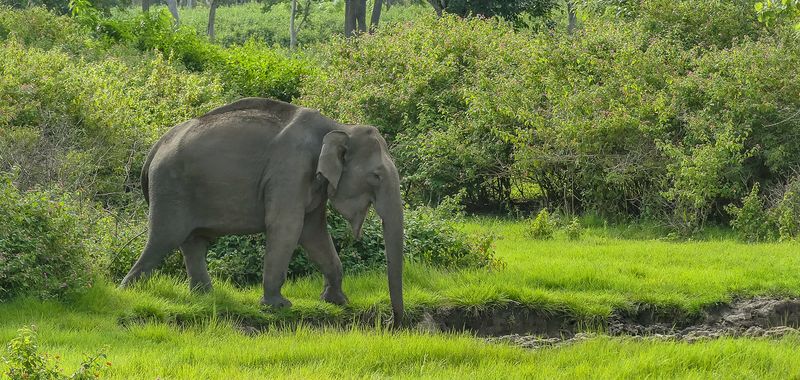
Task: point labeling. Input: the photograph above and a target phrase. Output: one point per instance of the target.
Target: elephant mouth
(358, 227)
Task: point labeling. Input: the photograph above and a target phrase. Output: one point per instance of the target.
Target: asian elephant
(260, 165)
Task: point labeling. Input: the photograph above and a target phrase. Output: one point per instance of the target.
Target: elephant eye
(374, 179)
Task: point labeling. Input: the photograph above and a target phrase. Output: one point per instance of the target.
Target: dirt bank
(756, 317)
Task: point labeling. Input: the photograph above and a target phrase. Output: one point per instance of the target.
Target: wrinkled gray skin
(259, 165)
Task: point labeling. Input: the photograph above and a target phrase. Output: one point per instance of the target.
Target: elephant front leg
(319, 247)
(282, 239)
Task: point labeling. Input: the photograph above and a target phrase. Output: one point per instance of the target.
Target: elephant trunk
(390, 208)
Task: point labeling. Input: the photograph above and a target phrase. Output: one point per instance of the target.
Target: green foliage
(574, 229)
(65, 6)
(629, 117)
(25, 362)
(87, 121)
(42, 252)
(771, 11)
(541, 227)
(708, 171)
(705, 23)
(84, 12)
(254, 70)
(751, 221)
(247, 70)
(434, 241)
(38, 28)
(787, 211)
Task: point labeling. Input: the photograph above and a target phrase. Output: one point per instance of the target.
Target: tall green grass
(216, 350)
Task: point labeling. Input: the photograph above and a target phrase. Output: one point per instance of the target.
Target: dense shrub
(86, 122)
(786, 211)
(715, 23)
(250, 69)
(775, 215)
(37, 27)
(42, 251)
(627, 117)
(751, 221)
(431, 239)
(254, 70)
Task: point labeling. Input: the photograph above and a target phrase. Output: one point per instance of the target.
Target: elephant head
(360, 172)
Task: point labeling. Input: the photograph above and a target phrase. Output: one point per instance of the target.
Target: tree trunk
(376, 15)
(349, 21)
(355, 17)
(173, 8)
(361, 15)
(145, 5)
(438, 5)
(292, 29)
(572, 18)
(212, 14)
(190, 3)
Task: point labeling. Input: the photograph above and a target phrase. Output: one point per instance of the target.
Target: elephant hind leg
(161, 242)
(194, 251)
(319, 247)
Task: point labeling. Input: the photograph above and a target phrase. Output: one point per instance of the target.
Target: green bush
(787, 211)
(25, 362)
(86, 122)
(541, 227)
(715, 23)
(574, 229)
(37, 27)
(250, 69)
(255, 70)
(433, 240)
(42, 250)
(751, 221)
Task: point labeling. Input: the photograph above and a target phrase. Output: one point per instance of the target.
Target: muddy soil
(756, 317)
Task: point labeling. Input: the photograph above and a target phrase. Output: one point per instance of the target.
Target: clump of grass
(541, 227)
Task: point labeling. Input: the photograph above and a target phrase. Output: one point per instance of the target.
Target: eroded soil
(756, 317)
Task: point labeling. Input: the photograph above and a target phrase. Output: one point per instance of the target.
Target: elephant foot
(278, 301)
(200, 287)
(128, 281)
(334, 296)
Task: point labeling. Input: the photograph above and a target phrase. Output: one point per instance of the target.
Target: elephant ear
(331, 158)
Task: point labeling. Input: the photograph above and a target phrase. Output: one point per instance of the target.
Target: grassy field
(588, 278)
(214, 350)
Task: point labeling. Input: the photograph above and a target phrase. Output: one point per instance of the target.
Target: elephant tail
(146, 172)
